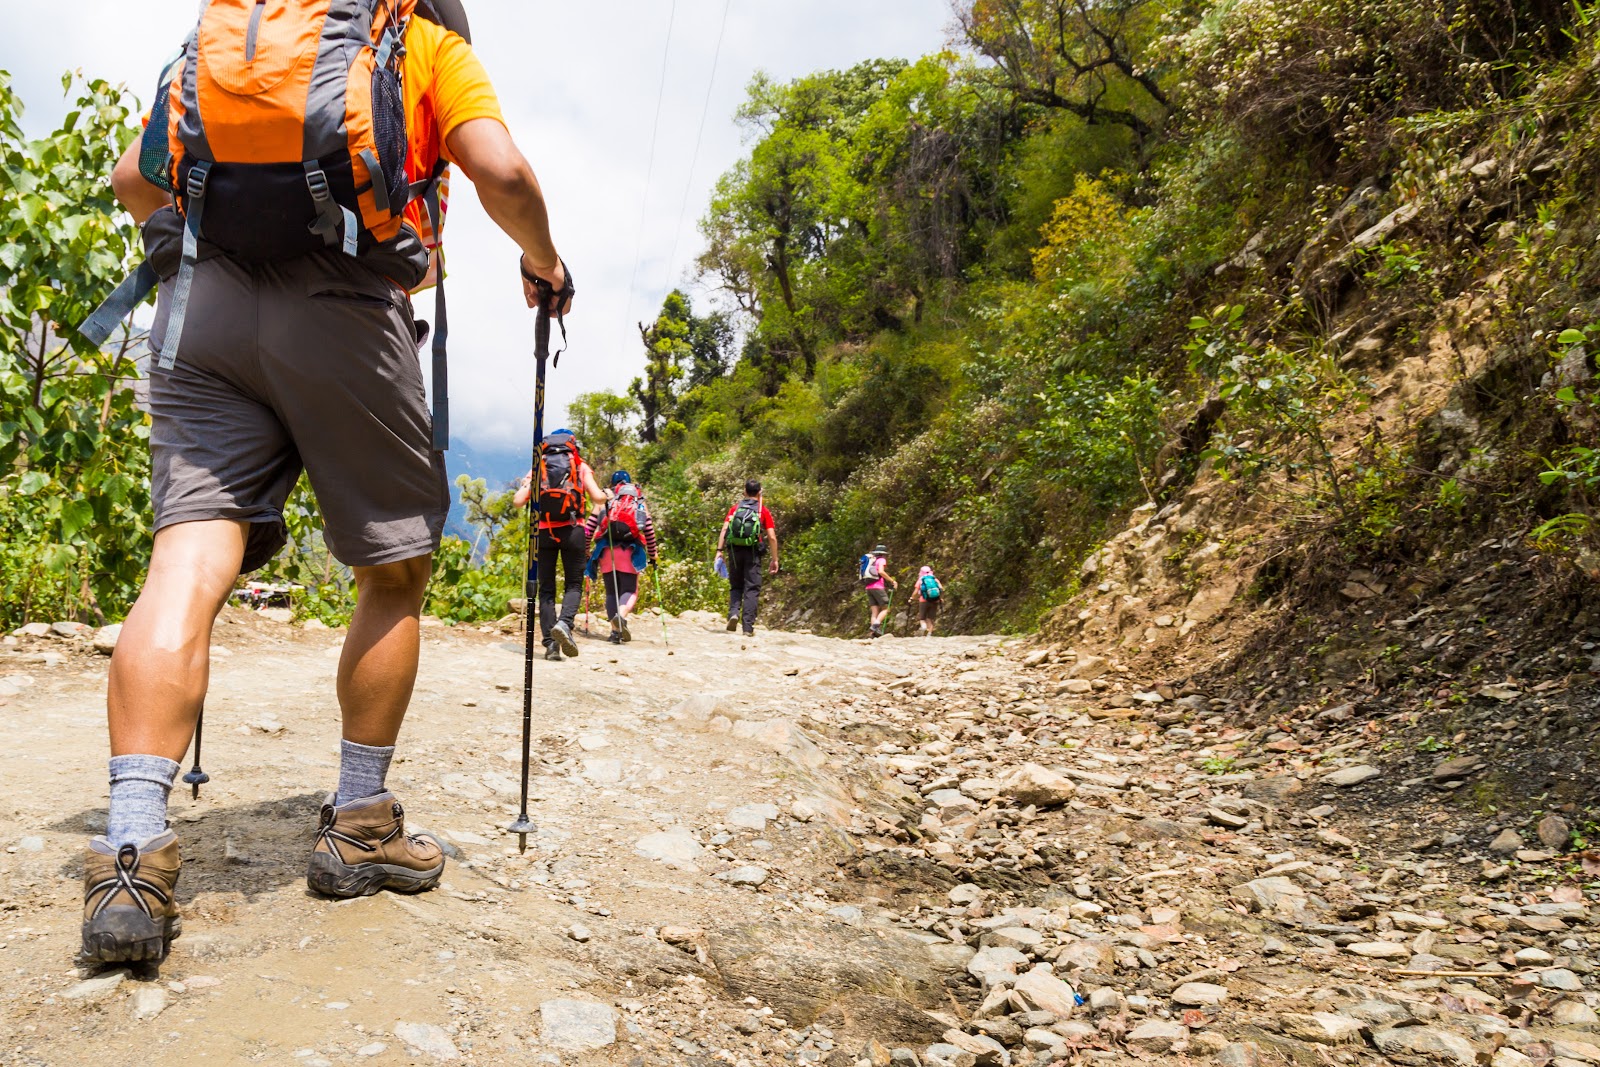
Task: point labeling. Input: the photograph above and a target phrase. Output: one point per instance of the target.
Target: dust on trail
(948, 853)
(265, 971)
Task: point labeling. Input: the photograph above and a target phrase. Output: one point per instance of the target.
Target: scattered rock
(1199, 995)
(105, 638)
(749, 875)
(1379, 950)
(1555, 833)
(1269, 894)
(1157, 1035)
(32, 629)
(992, 965)
(1047, 992)
(1349, 776)
(147, 1000)
(752, 816)
(1506, 841)
(427, 1040)
(1321, 1027)
(93, 990)
(577, 1025)
(1425, 1043)
(675, 848)
(1038, 786)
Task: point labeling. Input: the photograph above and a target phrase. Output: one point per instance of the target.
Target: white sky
(578, 84)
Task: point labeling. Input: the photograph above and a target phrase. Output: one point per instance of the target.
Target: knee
(408, 577)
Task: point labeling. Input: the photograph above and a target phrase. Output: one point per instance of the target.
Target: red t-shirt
(766, 516)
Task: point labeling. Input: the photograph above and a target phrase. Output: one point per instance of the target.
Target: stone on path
(92, 990)
(603, 771)
(749, 875)
(105, 638)
(32, 629)
(427, 1039)
(1349, 776)
(1267, 894)
(148, 1000)
(1157, 1035)
(1554, 833)
(1321, 1027)
(1199, 995)
(994, 966)
(675, 848)
(1426, 1043)
(577, 1025)
(944, 1054)
(1047, 992)
(1039, 786)
(1379, 950)
(1506, 840)
(752, 816)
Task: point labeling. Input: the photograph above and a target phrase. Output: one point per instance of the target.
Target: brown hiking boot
(129, 912)
(362, 847)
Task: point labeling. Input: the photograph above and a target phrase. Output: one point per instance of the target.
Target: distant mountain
(500, 468)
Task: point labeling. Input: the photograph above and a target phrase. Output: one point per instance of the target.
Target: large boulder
(1038, 786)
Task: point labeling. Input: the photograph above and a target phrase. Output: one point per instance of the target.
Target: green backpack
(744, 529)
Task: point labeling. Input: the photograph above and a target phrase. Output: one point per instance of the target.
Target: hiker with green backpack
(748, 533)
(929, 597)
(880, 586)
(290, 186)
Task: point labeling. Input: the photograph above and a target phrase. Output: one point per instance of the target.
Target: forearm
(132, 190)
(772, 542)
(506, 187)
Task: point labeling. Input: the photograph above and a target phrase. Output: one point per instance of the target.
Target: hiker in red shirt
(565, 483)
(747, 534)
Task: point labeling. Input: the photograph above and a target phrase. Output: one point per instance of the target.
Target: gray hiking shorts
(307, 363)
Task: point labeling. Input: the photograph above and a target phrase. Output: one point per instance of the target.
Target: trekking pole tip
(522, 828)
(194, 780)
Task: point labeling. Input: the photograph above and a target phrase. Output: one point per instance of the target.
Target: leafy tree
(600, 421)
(74, 470)
(1087, 57)
(667, 349)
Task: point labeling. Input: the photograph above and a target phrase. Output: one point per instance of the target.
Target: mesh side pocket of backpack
(153, 151)
(389, 133)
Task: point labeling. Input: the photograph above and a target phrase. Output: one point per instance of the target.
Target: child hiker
(927, 598)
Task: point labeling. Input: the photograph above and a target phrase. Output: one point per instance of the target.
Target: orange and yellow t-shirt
(445, 86)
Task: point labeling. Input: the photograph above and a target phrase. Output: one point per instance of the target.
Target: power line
(688, 186)
(649, 172)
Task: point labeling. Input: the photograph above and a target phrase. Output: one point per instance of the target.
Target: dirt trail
(265, 970)
(792, 849)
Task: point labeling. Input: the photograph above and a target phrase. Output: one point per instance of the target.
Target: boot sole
(327, 875)
(128, 935)
(565, 643)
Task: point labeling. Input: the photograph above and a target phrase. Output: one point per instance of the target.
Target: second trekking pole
(541, 355)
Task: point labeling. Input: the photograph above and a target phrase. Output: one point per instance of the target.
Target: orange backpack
(280, 130)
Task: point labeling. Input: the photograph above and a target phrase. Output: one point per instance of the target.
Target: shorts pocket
(354, 297)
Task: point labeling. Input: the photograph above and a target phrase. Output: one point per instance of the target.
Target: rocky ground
(954, 851)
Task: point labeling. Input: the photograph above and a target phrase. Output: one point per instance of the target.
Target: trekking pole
(616, 620)
(661, 606)
(588, 587)
(196, 777)
(541, 353)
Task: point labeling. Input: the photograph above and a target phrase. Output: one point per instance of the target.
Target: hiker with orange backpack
(624, 538)
(291, 188)
(565, 484)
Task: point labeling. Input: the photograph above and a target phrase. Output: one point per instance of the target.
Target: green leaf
(75, 516)
(1567, 395)
(1199, 322)
(31, 482)
(59, 558)
(1571, 337)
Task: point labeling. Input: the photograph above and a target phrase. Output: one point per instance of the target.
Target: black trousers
(568, 545)
(744, 585)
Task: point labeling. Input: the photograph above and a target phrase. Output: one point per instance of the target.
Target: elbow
(506, 178)
(126, 180)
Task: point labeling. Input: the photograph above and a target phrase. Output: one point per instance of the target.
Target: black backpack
(744, 529)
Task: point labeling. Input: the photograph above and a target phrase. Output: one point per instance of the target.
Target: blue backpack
(931, 589)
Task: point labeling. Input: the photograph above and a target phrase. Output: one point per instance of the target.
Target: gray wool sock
(362, 769)
(139, 789)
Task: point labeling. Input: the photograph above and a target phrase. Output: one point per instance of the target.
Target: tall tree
(600, 421)
(667, 351)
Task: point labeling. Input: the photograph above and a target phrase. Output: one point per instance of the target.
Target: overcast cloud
(578, 85)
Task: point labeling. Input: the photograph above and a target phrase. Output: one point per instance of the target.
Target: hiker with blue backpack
(928, 598)
(880, 586)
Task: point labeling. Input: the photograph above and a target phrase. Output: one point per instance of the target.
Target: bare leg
(163, 662)
(378, 666)
(628, 603)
